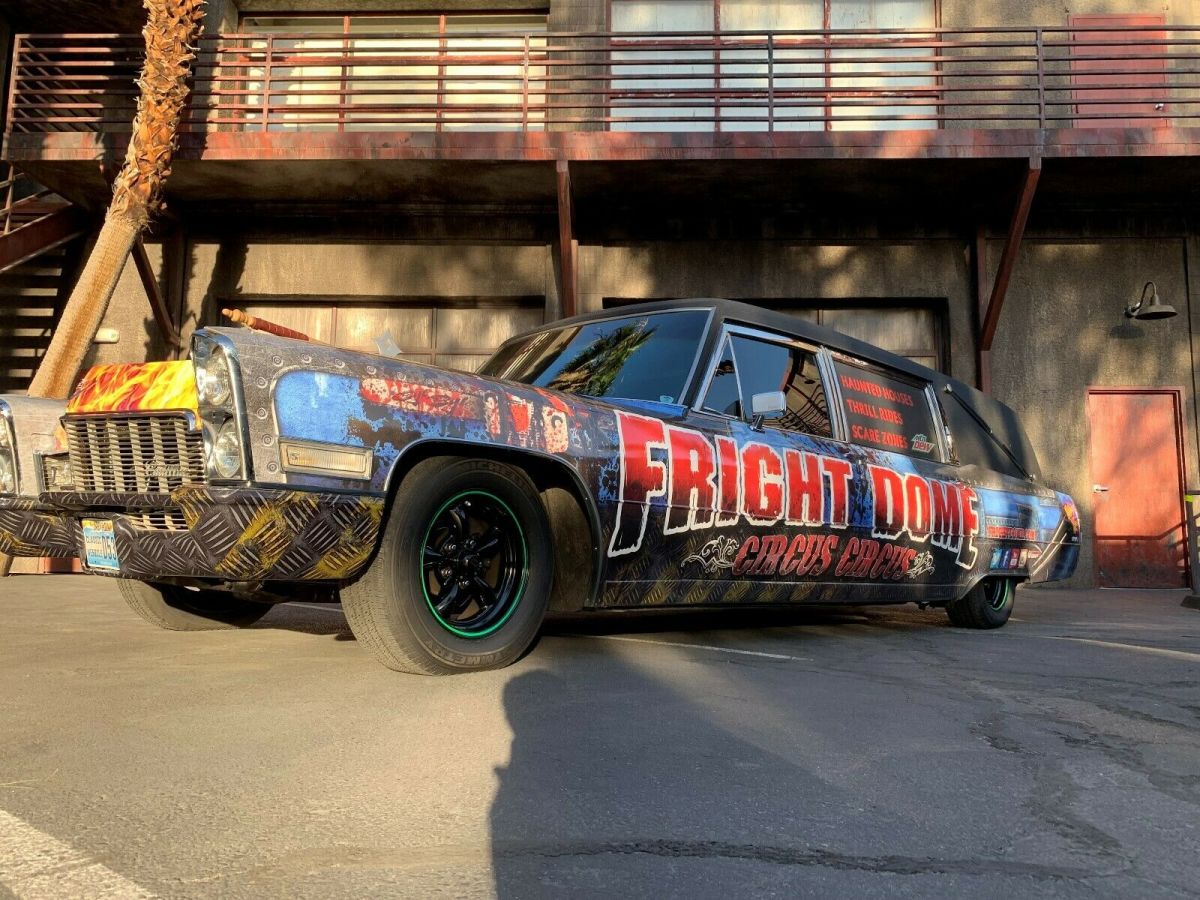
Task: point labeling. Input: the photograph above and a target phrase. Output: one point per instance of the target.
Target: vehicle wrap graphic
(245, 535)
(136, 387)
(27, 528)
(689, 508)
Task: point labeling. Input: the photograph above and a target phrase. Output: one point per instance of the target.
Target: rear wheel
(179, 609)
(987, 605)
(463, 574)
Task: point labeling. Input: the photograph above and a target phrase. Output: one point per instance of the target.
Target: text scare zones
(718, 483)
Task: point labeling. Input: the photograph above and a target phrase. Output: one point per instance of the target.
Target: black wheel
(987, 605)
(463, 574)
(179, 609)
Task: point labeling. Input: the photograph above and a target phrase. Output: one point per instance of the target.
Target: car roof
(769, 320)
(988, 414)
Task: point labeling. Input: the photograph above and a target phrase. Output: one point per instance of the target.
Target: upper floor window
(725, 75)
(747, 366)
(450, 71)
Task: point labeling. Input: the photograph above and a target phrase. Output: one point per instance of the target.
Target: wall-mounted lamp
(1154, 309)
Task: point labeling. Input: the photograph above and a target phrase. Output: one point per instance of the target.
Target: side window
(887, 411)
(747, 366)
(724, 395)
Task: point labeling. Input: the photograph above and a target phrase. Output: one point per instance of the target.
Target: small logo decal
(921, 443)
(922, 565)
(715, 555)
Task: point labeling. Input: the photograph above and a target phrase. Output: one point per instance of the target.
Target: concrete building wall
(1063, 331)
(789, 271)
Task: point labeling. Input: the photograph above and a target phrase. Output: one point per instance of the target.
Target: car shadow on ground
(329, 620)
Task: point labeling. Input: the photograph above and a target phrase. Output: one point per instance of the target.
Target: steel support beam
(158, 305)
(1008, 259)
(983, 358)
(568, 273)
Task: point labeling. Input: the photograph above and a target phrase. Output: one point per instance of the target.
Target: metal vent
(151, 454)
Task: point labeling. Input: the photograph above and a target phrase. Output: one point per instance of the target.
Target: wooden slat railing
(740, 81)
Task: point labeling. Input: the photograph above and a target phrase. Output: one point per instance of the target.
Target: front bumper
(233, 534)
(31, 528)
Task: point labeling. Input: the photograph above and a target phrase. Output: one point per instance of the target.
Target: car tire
(464, 571)
(987, 605)
(179, 609)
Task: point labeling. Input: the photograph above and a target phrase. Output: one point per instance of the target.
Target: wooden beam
(157, 304)
(568, 275)
(1008, 259)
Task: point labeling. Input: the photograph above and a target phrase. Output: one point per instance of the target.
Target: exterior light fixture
(1154, 309)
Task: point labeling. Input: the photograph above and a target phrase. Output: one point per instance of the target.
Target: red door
(1115, 72)
(1137, 488)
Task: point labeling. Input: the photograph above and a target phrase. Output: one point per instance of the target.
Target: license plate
(99, 544)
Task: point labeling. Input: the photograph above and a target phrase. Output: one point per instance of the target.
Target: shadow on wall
(224, 284)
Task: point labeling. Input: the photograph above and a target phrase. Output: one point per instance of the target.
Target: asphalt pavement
(853, 752)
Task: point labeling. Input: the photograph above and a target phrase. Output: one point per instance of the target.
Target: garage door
(452, 333)
(911, 331)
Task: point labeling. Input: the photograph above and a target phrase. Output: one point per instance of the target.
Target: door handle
(1099, 488)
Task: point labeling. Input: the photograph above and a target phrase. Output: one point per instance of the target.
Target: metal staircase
(40, 237)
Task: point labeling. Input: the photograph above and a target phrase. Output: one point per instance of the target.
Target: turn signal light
(347, 462)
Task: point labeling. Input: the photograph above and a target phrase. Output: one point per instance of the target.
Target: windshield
(635, 357)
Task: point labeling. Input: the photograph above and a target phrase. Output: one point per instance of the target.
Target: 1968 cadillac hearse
(665, 455)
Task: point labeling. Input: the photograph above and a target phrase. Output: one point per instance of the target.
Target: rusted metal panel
(1136, 466)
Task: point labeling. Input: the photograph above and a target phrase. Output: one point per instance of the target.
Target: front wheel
(179, 609)
(463, 574)
(987, 605)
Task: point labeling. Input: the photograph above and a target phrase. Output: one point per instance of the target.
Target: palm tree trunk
(172, 29)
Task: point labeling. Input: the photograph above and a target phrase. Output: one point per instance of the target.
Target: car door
(792, 498)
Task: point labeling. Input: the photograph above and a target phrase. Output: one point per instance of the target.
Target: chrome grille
(134, 454)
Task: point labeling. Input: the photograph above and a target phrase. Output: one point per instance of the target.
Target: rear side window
(886, 411)
(747, 366)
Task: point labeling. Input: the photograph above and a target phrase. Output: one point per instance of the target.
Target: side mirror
(767, 405)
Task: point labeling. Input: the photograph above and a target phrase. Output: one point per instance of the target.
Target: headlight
(8, 466)
(214, 382)
(227, 451)
(221, 414)
(8, 473)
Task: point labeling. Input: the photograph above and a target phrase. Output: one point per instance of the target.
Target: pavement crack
(795, 856)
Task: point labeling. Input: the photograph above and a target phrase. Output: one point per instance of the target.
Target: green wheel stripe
(1004, 591)
(473, 635)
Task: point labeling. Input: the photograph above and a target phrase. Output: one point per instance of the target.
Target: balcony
(506, 100)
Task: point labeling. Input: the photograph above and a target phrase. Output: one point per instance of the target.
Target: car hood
(136, 387)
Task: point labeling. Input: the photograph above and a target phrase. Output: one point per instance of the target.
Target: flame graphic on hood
(136, 387)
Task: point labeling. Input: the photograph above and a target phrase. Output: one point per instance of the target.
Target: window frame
(945, 455)
(705, 333)
(820, 355)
